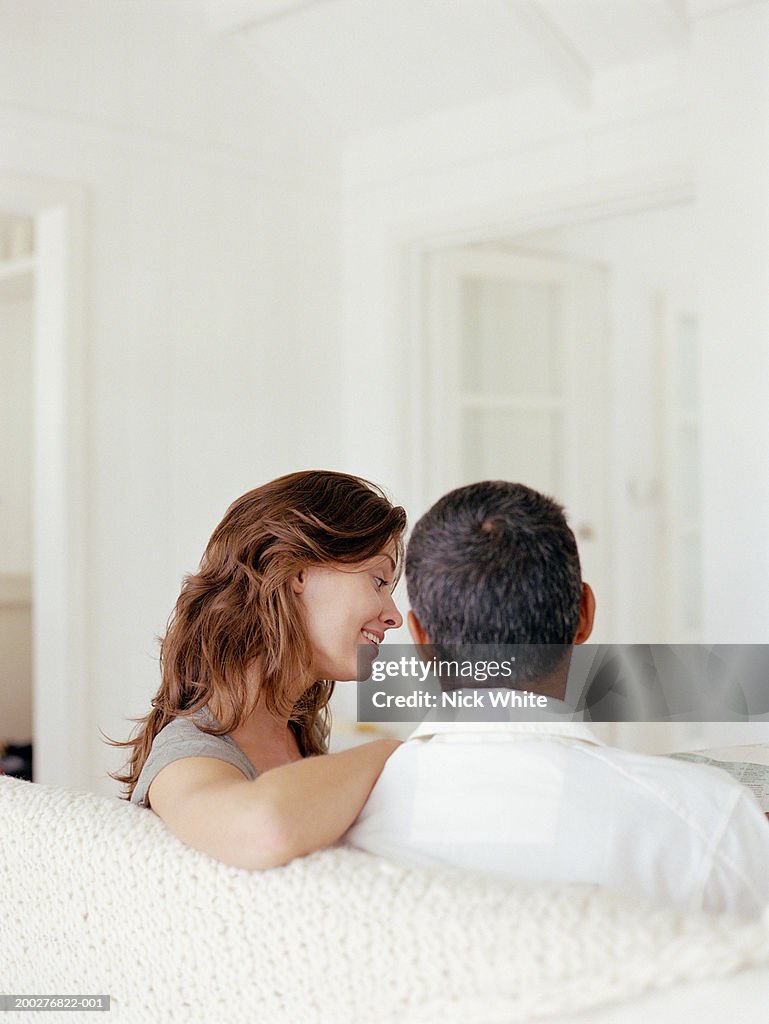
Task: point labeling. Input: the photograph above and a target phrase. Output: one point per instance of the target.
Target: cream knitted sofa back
(98, 898)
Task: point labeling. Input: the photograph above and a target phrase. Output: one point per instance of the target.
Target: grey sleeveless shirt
(182, 738)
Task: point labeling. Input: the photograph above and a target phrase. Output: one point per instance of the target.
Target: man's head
(495, 563)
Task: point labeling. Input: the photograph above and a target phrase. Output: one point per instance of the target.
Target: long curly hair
(239, 611)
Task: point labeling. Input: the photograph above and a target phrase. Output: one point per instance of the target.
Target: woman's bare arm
(286, 812)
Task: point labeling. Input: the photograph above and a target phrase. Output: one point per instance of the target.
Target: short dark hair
(496, 563)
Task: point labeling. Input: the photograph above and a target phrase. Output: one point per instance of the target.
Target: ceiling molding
(680, 11)
(681, 26)
(704, 8)
(230, 16)
(571, 70)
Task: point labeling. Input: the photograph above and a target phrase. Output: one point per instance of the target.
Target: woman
(295, 578)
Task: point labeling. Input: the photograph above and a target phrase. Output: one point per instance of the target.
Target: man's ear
(298, 581)
(586, 614)
(418, 634)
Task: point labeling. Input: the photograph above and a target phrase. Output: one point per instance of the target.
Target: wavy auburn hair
(239, 612)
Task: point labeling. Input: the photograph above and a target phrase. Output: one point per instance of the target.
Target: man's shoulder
(660, 778)
(671, 780)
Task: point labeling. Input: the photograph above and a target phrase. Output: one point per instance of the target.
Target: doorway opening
(567, 358)
(17, 272)
(43, 694)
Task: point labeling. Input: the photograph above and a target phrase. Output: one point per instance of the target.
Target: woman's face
(345, 607)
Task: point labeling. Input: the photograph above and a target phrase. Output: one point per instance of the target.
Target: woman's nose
(391, 617)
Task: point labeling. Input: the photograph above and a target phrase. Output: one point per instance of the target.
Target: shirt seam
(726, 861)
(658, 792)
(710, 841)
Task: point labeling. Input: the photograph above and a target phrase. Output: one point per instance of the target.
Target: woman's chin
(367, 655)
(356, 669)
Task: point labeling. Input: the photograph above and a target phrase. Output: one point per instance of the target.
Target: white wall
(213, 287)
(731, 51)
(508, 166)
(211, 298)
(468, 175)
(501, 167)
(648, 254)
(661, 132)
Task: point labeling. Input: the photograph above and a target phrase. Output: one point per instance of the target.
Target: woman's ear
(586, 614)
(298, 581)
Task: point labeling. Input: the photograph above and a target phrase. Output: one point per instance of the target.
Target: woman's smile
(374, 638)
(334, 600)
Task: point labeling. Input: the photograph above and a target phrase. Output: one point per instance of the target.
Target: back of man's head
(495, 563)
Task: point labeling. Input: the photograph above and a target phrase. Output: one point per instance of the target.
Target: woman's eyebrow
(383, 555)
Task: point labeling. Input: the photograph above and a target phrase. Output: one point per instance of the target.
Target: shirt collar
(570, 730)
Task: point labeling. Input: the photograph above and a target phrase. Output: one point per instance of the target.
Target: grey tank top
(182, 738)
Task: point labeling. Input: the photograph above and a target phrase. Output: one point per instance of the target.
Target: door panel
(516, 371)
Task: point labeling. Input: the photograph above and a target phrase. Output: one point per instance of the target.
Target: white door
(515, 373)
(680, 458)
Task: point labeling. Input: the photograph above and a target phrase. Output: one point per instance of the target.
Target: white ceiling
(365, 64)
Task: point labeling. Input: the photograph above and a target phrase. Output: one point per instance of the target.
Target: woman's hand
(286, 812)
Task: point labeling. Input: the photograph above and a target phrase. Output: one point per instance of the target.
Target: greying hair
(496, 563)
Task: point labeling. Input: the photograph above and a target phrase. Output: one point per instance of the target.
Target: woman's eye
(380, 582)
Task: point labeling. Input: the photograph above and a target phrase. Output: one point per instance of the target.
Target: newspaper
(749, 765)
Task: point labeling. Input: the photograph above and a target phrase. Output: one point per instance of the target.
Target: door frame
(581, 404)
(556, 211)
(411, 245)
(59, 529)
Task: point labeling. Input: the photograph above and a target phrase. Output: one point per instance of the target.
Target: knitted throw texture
(97, 897)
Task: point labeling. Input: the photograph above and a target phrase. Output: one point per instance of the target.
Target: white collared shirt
(548, 802)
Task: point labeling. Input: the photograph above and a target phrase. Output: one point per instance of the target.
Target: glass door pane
(511, 337)
(514, 444)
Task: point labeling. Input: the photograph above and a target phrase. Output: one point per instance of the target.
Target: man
(496, 563)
